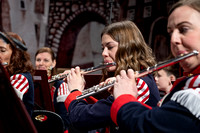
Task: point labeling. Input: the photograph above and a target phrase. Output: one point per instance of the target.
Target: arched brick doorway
(69, 38)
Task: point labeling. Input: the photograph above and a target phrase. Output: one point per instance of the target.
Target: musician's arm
(174, 116)
(86, 116)
(20, 84)
(60, 96)
(23, 86)
(132, 116)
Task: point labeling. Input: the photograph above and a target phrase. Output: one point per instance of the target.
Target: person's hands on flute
(75, 80)
(108, 81)
(66, 72)
(125, 84)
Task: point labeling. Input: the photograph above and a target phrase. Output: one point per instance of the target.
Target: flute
(4, 63)
(99, 88)
(85, 71)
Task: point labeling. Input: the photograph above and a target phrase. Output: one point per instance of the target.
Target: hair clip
(12, 40)
(19, 44)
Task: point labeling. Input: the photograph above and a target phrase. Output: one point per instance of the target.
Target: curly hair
(20, 60)
(132, 51)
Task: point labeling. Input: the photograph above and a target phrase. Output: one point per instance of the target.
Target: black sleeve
(90, 116)
(170, 118)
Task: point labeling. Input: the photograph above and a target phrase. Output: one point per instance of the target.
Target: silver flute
(99, 88)
(4, 63)
(85, 71)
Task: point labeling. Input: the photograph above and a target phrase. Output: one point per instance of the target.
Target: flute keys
(96, 88)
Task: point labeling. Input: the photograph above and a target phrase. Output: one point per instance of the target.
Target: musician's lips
(108, 61)
(41, 68)
(181, 52)
(4, 63)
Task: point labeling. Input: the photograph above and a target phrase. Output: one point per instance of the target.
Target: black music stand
(13, 114)
(43, 100)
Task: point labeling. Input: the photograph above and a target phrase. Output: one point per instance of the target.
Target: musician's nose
(105, 52)
(175, 38)
(155, 78)
(41, 63)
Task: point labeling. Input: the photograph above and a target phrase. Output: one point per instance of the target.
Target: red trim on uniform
(107, 130)
(149, 107)
(195, 71)
(52, 91)
(15, 80)
(145, 99)
(72, 96)
(21, 83)
(119, 102)
(91, 100)
(24, 87)
(192, 82)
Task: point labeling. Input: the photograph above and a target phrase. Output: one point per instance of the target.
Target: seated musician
(180, 110)
(46, 60)
(122, 43)
(17, 62)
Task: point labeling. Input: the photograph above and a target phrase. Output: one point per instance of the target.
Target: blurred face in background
(164, 80)
(43, 61)
(5, 52)
(109, 47)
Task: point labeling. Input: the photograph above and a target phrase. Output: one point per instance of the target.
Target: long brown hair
(20, 60)
(132, 51)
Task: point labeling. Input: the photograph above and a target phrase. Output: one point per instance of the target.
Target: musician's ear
(53, 64)
(172, 77)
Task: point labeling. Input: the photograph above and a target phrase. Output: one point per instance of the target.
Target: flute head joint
(195, 52)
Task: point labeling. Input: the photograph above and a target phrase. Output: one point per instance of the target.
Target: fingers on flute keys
(125, 83)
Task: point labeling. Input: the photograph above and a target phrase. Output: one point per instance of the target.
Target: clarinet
(99, 88)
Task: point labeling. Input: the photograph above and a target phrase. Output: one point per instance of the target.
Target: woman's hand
(75, 79)
(125, 84)
(106, 82)
(66, 72)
